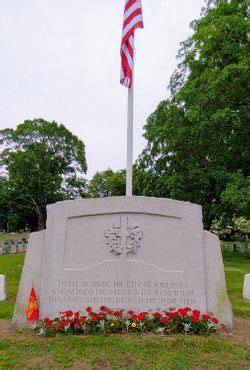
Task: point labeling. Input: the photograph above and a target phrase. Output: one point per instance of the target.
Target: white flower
(66, 327)
(127, 324)
(210, 325)
(42, 331)
(187, 327)
(101, 325)
(34, 326)
(160, 330)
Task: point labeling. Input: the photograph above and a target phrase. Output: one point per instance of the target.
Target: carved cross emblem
(123, 239)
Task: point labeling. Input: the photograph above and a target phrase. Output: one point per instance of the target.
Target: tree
(45, 163)
(107, 183)
(199, 138)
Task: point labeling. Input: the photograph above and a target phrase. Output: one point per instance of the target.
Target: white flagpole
(130, 117)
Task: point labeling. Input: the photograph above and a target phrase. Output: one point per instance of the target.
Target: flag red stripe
(132, 20)
(129, 4)
(131, 17)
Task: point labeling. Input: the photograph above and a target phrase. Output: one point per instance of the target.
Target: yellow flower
(112, 324)
(133, 324)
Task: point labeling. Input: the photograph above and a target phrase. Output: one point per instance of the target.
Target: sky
(60, 60)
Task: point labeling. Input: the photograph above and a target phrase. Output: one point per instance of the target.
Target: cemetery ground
(226, 350)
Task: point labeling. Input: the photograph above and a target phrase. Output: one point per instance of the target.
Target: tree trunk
(41, 220)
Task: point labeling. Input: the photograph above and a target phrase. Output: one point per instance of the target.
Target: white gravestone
(246, 287)
(134, 253)
(3, 287)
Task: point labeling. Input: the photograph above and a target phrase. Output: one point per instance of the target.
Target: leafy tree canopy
(107, 183)
(44, 162)
(199, 139)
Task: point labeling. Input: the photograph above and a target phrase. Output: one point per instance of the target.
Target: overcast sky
(59, 60)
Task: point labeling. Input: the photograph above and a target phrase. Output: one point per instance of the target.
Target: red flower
(88, 309)
(95, 317)
(48, 321)
(206, 317)
(196, 312)
(195, 319)
(68, 313)
(63, 324)
(223, 326)
(215, 321)
(134, 317)
(183, 312)
(130, 312)
(164, 320)
(141, 316)
(188, 309)
(118, 313)
(82, 319)
(172, 314)
(157, 314)
(103, 308)
(102, 314)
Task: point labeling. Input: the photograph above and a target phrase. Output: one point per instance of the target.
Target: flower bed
(182, 320)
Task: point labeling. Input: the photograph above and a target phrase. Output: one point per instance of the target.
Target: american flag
(132, 20)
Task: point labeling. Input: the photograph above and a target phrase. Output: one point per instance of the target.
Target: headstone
(134, 253)
(3, 287)
(13, 247)
(233, 247)
(246, 287)
(244, 248)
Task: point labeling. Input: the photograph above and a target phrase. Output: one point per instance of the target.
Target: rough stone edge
(31, 274)
(216, 290)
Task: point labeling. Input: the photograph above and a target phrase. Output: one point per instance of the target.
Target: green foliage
(107, 183)
(237, 226)
(45, 163)
(198, 142)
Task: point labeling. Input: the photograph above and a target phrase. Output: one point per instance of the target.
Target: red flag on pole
(131, 21)
(32, 311)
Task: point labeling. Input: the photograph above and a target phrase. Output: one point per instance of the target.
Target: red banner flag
(32, 311)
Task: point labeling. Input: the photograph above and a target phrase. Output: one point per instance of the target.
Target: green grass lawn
(25, 350)
(10, 265)
(123, 352)
(236, 266)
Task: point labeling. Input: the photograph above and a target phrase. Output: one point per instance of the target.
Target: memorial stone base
(136, 253)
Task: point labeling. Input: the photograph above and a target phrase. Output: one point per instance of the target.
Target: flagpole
(130, 118)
